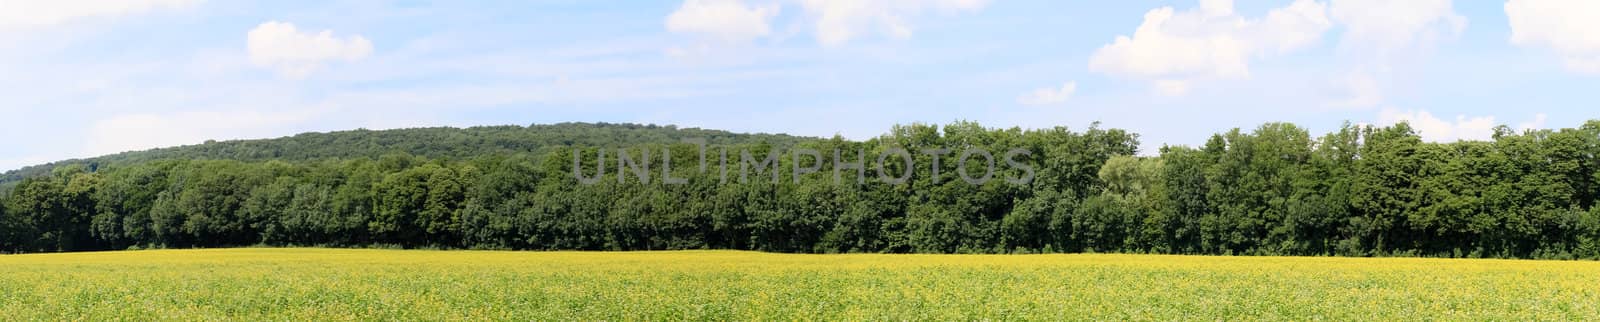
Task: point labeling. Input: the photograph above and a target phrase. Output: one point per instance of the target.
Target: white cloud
(1535, 124)
(279, 45)
(1173, 48)
(24, 14)
(1049, 95)
(1388, 26)
(839, 21)
(1383, 39)
(133, 132)
(835, 22)
(726, 20)
(1567, 27)
(1462, 128)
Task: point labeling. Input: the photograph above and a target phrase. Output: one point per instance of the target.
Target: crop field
(335, 284)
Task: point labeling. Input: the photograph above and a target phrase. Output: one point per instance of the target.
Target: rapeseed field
(344, 284)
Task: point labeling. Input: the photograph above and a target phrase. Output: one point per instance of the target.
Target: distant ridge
(430, 142)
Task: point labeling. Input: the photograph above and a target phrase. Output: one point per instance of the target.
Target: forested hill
(1275, 189)
(436, 143)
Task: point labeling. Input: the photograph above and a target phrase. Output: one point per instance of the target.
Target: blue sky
(85, 78)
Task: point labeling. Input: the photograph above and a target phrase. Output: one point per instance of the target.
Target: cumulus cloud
(726, 20)
(1049, 95)
(1567, 27)
(296, 54)
(1382, 38)
(36, 14)
(839, 21)
(1175, 48)
(834, 22)
(1536, 123)
(1386, 26)
(1462, 128)
(1435, 129)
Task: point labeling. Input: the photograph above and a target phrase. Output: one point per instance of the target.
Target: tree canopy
(1271, 190)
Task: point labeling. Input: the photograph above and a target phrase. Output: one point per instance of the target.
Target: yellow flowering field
(344, 284)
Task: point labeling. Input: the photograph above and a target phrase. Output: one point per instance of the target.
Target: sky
(81, 78)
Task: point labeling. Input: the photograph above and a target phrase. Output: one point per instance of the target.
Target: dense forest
(450, 143)
(1272, 190)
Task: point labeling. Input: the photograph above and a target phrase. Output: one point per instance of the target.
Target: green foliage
(1274, 190)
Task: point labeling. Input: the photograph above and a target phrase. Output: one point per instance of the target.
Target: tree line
(438, 142)
(1272, 190)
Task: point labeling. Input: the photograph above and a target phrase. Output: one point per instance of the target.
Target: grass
(338, 284)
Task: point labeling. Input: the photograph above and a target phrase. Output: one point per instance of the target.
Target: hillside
(1271, 190)
(433, 143)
